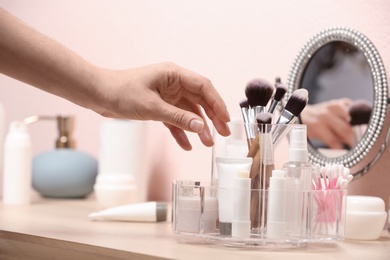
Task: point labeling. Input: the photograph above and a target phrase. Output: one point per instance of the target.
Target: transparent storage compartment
(196, 217)
(248, 204)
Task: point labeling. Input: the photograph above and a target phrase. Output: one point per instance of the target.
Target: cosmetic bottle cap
(276, 229)
(236, 130)
(298, 144)
(278, 174)
(17, 133)
(161, 212)
(17, 127)
(241, 229)
(225, 229)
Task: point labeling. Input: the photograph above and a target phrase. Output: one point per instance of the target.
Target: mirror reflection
(341, 94)
(349, 91)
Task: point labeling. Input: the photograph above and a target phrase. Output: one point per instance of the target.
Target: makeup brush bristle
(244, 103)
(360, 112)
(297, 102)
(262, 120)
(258, 91)
(281, 89)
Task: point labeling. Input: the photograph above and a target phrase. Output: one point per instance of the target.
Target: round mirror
(341, 66)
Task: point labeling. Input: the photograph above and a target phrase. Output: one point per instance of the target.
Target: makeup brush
(258, 92)
(360, 112)
(295, 104)
(248, 128)
(281, 89)
(262, 164)
(264, 122)
(278, 80)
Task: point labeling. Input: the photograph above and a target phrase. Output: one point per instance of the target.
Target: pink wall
(228, 41)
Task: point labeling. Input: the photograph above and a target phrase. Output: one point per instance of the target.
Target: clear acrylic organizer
(255, 210)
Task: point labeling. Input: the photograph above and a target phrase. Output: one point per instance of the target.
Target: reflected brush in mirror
(360, 113)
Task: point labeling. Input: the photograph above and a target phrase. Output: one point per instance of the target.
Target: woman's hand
(164, 92)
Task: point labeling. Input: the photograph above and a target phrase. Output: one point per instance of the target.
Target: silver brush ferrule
(285, 117)
(258, 110)
(273, 105)
(247, 124)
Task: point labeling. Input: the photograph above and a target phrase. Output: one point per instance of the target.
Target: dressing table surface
(60, 229)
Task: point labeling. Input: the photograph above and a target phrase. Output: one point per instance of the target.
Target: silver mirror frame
(365, 146)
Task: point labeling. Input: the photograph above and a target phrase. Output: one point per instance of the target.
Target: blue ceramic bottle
(64, 172)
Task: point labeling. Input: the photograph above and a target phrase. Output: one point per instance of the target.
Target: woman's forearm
(29, 56)
(162, 92)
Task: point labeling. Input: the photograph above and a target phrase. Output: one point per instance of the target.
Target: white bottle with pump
(299, 175)
(17, 165)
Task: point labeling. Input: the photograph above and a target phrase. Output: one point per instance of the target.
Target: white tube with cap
(227, 171)
(241, 224)
(137, 212)
(277, 197)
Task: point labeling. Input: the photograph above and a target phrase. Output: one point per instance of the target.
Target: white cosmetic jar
(365, 217)
(115, 189)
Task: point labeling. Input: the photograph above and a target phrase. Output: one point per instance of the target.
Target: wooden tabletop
(60, 229)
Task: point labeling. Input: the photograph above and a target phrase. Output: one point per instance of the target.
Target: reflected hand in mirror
(328, 124)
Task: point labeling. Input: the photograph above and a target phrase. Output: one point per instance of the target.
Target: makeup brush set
(259, 109)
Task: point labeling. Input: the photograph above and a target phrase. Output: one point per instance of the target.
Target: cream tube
(138, 212)
(228, 169)
(277, 196)
(241, 224)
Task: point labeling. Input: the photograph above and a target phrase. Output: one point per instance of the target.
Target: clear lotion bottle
(299, 175)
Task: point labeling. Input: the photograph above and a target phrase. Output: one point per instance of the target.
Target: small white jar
(365, 217)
